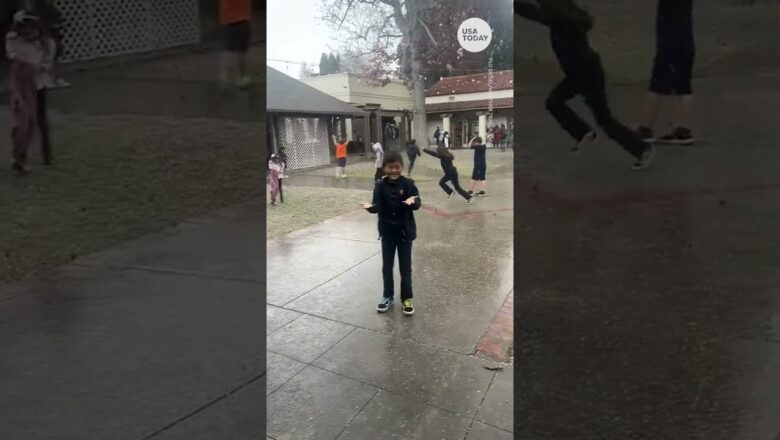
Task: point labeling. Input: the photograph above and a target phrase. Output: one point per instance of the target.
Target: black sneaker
(646, 134)
(19, 168)
(646, 159)
(471, 193)
(384, 305)
(470, 200)
(449, 196)
(679, 136)
(589, 137)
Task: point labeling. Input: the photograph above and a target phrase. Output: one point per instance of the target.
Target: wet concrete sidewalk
(339, 370)
(156, 339)
(648, 302)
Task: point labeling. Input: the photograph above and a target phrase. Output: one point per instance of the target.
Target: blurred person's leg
(43, 125)
(557, 106)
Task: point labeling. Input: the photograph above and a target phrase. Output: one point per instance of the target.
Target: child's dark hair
(392, 157)
(478, 140)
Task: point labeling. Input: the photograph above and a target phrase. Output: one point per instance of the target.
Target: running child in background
(450, 172)
(478, 179)
(341, 157)
(584, 75)
(379, 155)
(395, 199)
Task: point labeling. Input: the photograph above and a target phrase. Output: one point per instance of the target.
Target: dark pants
(672, 72)
(589, 83)
(380, 172)
(391, 243)
(411, 163)
(43, 126)
(455, 183)
(238, 36)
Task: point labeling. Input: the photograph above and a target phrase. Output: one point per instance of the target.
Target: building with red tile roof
(470, 105)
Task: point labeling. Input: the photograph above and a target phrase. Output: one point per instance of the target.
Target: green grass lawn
(121, 177)
(305, 206)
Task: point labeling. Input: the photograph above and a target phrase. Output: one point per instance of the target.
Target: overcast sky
(296, 34)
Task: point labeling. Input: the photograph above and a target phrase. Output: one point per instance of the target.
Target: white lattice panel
(102, 28)
(305, 141)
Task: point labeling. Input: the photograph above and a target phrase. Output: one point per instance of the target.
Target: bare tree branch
(428, 30)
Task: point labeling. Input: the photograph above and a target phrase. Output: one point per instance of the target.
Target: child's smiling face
(393, 170)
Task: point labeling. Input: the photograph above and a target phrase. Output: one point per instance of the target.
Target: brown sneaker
(646, 134)
(679, 136)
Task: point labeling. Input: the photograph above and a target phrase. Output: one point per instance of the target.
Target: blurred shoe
(646, 134)
(679, 136)
(646, 159)
(384, 304)
(408, 307)
(244, 82)
(588, 137)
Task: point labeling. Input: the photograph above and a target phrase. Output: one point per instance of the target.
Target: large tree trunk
(418, 91)
(416, 71)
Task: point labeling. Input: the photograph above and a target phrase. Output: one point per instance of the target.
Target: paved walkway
(339, 370)
(156, 339)
(648, 302)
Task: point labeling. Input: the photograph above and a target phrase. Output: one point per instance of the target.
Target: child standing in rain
(25, 49)
(672, 71)
(341, 157)
(450, 172)
(395, 199)
(275, 171)
(478, 180)
(379, 155)
(584, 75)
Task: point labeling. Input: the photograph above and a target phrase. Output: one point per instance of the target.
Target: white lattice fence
(103, 28)
(305, 141)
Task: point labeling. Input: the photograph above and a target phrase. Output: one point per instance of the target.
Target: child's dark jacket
(394, 215)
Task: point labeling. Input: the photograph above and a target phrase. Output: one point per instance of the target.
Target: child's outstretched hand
(366, 205)
(410, 200)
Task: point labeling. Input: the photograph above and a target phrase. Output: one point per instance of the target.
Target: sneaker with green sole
(408, 307)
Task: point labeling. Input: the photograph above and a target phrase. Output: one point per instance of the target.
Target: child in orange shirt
(341, 157)
(236, 17)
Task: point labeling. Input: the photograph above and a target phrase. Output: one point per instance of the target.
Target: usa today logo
(475, 35)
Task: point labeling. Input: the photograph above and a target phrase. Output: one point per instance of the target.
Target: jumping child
(450, 172)
(25, 49)
(584, 75)
(478, 179)
(395, 200)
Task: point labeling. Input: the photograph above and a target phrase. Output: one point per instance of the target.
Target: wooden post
(367, 132)
(380, 134)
